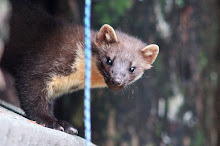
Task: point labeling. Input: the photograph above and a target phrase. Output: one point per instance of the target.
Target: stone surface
(15, 130)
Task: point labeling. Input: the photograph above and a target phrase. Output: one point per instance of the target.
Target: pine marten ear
(150, 53)
(106, 34)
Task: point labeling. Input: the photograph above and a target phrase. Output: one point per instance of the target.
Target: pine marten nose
(116, 82)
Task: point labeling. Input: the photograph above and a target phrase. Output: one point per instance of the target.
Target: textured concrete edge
(19, 131)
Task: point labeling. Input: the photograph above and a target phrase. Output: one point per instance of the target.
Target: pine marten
(45, 55)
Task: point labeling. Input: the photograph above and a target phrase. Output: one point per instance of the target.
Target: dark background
(177, 102)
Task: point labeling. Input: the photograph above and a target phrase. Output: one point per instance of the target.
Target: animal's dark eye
(109, 61)
(131, 69)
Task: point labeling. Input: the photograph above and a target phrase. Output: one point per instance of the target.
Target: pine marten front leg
(34, 101)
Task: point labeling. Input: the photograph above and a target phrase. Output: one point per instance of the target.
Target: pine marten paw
(68, 128)
(50, 122)
(60, 125)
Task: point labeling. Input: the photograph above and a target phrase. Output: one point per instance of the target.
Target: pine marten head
(122, 59)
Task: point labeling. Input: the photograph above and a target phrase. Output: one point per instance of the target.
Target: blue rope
(87, 112)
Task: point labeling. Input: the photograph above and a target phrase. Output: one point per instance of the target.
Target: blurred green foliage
(199, 139)
(110, 11)
(180, 3)
(203, 59)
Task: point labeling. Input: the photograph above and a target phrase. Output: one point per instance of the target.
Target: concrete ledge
(16, 130)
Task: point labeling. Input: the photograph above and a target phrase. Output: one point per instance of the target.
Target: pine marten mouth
(115, 88)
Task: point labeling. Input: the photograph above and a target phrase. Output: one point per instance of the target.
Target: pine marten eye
(131, 69)
(109, 61)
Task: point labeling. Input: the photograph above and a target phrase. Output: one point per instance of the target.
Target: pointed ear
(106, 34)
(150, 53)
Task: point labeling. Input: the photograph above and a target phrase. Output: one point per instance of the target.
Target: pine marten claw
(72, 131)
(68, 128)
(60, 128)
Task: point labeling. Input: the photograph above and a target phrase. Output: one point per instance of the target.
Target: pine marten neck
(62, 84)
